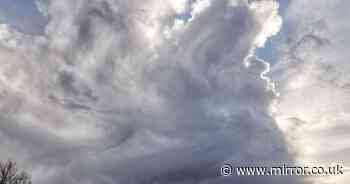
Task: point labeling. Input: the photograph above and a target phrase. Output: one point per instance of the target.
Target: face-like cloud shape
(314, 82)
(125, 92)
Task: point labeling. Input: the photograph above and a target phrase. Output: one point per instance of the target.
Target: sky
(166, 92)
(23, 15)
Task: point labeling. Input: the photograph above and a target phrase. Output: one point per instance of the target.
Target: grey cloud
(121, 92)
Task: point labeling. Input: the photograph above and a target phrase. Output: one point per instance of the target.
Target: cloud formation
(313, 80)
(125, 92)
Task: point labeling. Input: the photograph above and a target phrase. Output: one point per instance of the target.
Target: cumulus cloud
(125, 92)
(313, 80)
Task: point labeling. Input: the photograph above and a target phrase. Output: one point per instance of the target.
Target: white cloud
(314, 107)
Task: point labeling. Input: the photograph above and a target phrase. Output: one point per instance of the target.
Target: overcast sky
(167, 91)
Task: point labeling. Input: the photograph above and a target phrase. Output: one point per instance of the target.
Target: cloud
(124, 92)
(313, 80)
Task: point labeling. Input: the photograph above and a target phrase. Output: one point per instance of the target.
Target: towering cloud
(124, 92)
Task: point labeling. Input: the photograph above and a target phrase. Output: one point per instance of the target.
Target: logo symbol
(226, 170)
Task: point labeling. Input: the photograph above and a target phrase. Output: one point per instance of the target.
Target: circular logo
(226, 170)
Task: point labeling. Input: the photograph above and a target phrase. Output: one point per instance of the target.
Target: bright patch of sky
(23, 15)
(185, 16)
(269, 52)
